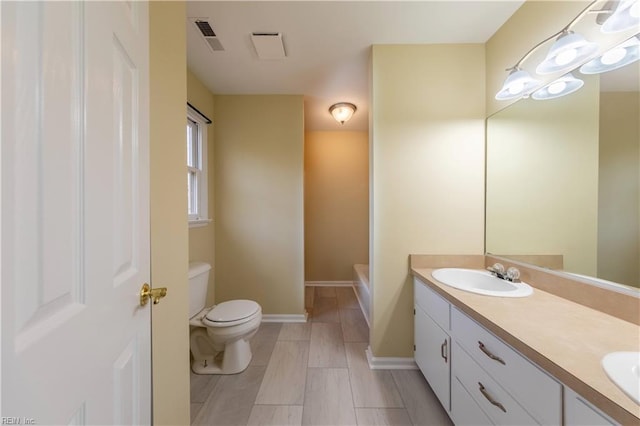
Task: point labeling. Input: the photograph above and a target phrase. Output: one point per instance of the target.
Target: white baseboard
(285, 317)
(328, 283)
(390, 363)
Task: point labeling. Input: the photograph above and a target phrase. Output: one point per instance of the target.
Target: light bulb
(557, 87)
(566, 56)
(614, 55)
(516, 87)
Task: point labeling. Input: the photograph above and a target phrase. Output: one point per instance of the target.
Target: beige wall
(169, 245)
(336, 204)
(201, 238)
(542, 179)
(259, 228)
(618, 230)
(427, 172)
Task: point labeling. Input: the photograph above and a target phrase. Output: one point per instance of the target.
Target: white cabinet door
(432, 355)
(578, 412)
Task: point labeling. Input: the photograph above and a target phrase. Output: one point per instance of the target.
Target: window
(197, 199)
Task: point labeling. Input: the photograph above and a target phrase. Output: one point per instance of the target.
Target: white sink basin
(623, 368)
(480, 282)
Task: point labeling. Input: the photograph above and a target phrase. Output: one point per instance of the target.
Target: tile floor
(315, 374)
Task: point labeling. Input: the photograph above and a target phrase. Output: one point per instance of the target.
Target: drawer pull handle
(443, 350)
(491, 400)
(489, 354)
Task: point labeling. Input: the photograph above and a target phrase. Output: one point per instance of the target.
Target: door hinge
(414, 311)
(414, 348)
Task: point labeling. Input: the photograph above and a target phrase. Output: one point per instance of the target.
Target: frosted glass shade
(625, 17)
(343, 111)
(617, 57)
(560, 87)
(518, 83)
(569, 50)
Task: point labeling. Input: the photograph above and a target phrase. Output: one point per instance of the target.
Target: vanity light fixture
(625, 17)
(617, 57)
(342, 111)
(569, 49)
(560, 87)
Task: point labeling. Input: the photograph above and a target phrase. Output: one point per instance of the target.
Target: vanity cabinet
(578, 412)
(432, 341)
(478, 378)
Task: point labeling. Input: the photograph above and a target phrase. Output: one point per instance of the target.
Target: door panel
(75, 227)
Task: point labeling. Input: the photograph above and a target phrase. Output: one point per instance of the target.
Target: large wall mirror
(563, 180)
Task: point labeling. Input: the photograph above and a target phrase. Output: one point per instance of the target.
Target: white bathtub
(362, 289)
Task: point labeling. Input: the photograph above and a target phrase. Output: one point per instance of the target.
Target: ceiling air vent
(268, 45)
(208, 34)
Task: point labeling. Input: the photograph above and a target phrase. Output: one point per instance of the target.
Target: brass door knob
(146, 293)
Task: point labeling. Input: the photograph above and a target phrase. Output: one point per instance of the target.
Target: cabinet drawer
(532, 387)
(432, 303)
(464, 410)
(492, 399)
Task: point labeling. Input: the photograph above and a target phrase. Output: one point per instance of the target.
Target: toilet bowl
(219, 334)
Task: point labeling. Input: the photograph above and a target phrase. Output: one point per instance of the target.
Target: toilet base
(235, 359)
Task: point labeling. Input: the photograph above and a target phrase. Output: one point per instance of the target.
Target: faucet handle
(497, 268)
(513, 274)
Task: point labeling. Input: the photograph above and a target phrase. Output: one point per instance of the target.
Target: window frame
(201, 217)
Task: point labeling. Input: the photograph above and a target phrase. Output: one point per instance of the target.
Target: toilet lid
(232, 311)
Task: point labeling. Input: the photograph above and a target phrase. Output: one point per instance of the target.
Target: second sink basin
(480, 282)
(623, 368)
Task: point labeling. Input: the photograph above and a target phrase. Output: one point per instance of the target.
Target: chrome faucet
(512, 274)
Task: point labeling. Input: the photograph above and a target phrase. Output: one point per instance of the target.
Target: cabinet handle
(489, 354)
(443, 350)
(484, 393)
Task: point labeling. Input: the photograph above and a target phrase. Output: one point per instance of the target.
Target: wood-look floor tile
(328, 398)
(261, 350)
(354, 326)
(371, 388)
(202, 385)
(383, 417)
(325, 309)
(268, 330)
(327, 346)
(284, 380)
(195, 409)
(309, 293)
(275, 415)
(325, 291)
(346, 298)
(295, 331)
(232, 399)
(419, 400)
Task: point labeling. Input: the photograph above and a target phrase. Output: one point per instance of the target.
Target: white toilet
(219, 334)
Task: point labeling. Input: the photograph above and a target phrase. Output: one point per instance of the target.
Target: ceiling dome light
(617, 57)
(568, 50)
(562, 86)
(626, 16)
(518, 83)
(342, 111)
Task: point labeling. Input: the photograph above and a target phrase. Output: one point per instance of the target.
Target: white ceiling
(327, 45)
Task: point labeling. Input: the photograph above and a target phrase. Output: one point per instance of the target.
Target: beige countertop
(563, 337)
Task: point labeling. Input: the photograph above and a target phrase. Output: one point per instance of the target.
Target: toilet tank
(198, 283)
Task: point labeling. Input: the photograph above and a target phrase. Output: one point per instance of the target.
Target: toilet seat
(233, 312)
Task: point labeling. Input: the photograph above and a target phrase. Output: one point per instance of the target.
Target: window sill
(197, 223)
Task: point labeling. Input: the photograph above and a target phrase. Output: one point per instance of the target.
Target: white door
(75, 213)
